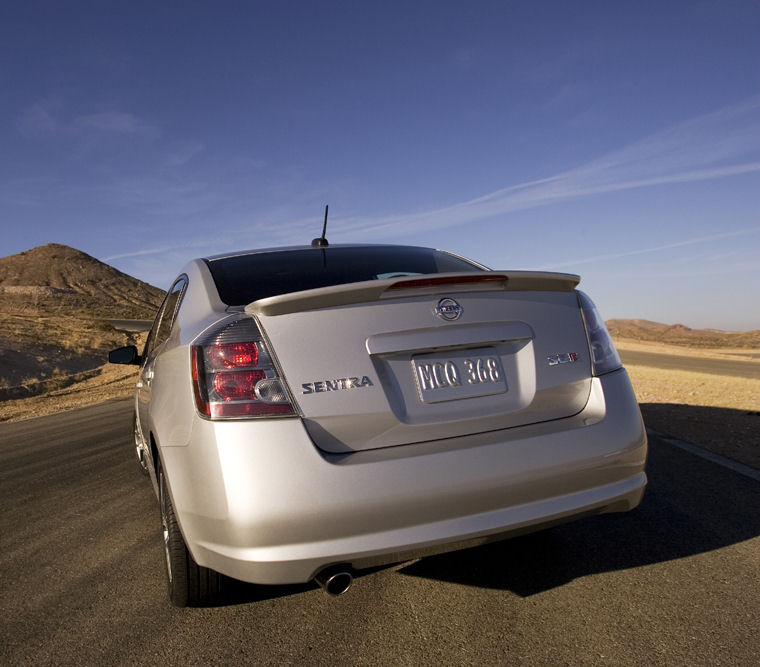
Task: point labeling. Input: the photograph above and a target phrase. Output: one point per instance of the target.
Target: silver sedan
(304, 412)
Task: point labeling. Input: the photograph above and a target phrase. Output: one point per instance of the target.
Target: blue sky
(620, 141)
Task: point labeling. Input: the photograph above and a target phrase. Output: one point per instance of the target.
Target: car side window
(162, 326)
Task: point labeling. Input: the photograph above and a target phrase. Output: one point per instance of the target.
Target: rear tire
(189, 584)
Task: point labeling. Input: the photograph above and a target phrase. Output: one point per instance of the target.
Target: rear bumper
(258, 502)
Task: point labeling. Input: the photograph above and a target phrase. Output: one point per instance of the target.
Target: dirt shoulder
(73, 388)
(108, 381)
(718, 412)
(739, 354)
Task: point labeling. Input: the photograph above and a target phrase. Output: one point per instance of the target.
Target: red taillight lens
(234, 377)
(477, 278)
(237, 385)
(233, 355)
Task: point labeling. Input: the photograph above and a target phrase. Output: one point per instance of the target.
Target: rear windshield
(246, 278)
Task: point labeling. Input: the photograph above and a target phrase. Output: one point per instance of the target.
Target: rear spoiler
(394, 288)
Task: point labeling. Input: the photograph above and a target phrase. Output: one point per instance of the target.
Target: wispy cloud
(117, 122)
(715, 145)
(48, 116)
(644, 251)
(181, 154)
(39, 118)
(158, 195)
(161, 250)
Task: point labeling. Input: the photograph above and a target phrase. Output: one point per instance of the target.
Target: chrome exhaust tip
(335, 580)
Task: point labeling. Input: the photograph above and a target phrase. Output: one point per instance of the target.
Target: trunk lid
(391, 362)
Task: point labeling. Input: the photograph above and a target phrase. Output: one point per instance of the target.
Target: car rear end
(412, 411)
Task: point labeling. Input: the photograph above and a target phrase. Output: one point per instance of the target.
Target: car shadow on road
(732, 433)
(691, 506)
(234, 592)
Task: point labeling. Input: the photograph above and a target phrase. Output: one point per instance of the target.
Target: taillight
(233, 374)
(234, 355)
(237, 385)
(484, 278)
(604, 356)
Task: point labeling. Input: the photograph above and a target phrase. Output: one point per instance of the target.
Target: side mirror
(124, 355)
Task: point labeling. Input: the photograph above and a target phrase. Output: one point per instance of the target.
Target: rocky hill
(56, 279)
(678, 334)
(56, 307)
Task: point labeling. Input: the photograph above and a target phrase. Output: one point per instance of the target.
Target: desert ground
(720, 413)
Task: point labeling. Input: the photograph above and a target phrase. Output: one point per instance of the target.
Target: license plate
(458, 374)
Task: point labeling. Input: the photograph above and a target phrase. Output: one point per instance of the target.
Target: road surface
(675, 582)
(684, 362)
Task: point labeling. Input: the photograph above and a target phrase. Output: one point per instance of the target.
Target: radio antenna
(321, 242)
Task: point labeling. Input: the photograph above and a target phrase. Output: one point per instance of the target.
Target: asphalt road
(733, 367)
(675, 582)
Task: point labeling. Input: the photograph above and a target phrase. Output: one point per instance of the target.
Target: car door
(158, 335)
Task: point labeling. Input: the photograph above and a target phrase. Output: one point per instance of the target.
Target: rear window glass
(246, 278)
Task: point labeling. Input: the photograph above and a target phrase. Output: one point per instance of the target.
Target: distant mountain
(679, 334)
(55, 279)
(55, 303)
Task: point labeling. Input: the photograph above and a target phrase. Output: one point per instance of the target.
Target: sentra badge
(318, 386)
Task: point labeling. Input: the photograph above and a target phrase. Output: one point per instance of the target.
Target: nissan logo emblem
(448, 309)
